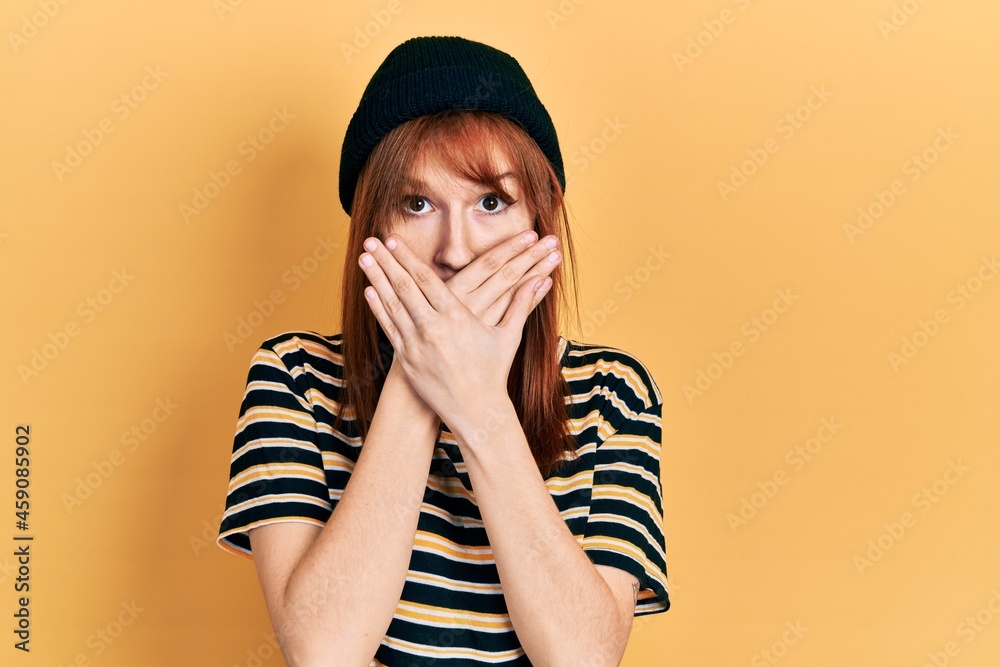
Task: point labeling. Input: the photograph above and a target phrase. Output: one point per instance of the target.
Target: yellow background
(894, 77)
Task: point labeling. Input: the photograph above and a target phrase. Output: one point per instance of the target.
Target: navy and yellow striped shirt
(288, 464)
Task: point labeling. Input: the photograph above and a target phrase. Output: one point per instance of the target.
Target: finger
(383, 318)
(436, 294)
(495, 312)
(471, 277)
(404, 286)
(541, 269)
(528, 296)
(397, 316)
(514, 272)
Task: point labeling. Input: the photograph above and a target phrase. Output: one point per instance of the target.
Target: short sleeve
(276, 470)
(625, 526)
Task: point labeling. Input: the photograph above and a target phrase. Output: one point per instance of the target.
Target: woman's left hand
(454, 361)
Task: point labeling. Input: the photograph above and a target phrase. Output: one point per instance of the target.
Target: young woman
(448, 480)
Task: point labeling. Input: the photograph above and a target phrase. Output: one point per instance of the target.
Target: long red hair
(535, 383)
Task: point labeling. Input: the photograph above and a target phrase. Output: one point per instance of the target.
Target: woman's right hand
(488, 292)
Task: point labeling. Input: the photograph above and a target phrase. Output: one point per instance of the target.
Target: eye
(414, 204)
(495, 204)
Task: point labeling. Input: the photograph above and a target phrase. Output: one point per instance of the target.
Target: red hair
(464, 139)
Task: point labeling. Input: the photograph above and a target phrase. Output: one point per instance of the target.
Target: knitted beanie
(424, 75)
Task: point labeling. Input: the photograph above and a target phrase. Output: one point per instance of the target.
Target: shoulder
(303, 340)
(302, 349)
(623, 384)
(613, 369)
(301, 360)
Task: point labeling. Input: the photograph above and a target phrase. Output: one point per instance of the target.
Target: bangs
(468, 145)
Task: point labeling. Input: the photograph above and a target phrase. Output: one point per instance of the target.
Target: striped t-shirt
(288, 464)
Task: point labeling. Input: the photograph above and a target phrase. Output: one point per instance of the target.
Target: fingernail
(367, 260)
(554, 256)
(530, 237)
(391, 244)
(551, 242)
(370, 245)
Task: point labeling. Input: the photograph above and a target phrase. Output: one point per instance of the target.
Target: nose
(454, 251)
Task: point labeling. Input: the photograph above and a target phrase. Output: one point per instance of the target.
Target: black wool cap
(424, 75)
